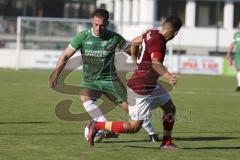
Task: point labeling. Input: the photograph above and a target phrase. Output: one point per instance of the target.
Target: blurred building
(47, 8)
(208, 24)
(11, 9)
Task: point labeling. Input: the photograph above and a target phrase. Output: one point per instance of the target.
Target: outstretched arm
(68, 52)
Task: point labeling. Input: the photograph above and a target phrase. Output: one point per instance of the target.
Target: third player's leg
(238, 79)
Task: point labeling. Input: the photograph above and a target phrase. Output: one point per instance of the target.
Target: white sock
(94, 111)
(147, 125)
(238, 79)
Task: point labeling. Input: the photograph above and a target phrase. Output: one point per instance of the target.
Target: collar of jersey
(94, 35)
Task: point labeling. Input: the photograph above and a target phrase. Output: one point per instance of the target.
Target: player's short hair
(174, 21)
(102, 13)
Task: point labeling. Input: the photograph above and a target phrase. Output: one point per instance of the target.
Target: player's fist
(52, 82)
(172, 78)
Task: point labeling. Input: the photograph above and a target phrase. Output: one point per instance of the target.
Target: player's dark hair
(175, 22)
(103, 13)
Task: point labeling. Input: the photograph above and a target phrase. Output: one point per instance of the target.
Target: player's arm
(136, 42)
(123, 45)
(126, 47)
(67, 53)
(230, 49)
(229, 54)
(161, 70)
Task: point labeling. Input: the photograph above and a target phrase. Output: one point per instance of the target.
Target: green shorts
(237, 61)
(113, 90)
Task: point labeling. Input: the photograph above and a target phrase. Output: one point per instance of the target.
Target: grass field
(207, 125)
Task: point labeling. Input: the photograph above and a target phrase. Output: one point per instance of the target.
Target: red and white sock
(168, 122)
(111, 126)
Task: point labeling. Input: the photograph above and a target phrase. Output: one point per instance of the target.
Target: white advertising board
(201, 65)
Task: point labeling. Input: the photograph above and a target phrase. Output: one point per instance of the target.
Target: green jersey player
(98, 46)
(236, 45)
(99, 73)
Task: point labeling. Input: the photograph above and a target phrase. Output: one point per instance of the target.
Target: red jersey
(144, 79)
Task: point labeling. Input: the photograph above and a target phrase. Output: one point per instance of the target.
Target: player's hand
(172, 78)
(52, 82)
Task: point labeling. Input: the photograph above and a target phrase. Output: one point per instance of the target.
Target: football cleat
(171, 146)
(104, 134)
(110, 134)
(238, 89)
(99, 136)
(154, 138)
(90, 132)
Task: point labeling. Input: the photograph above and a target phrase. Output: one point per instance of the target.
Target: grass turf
(207, 125)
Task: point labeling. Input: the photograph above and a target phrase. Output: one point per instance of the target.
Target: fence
(37, 36)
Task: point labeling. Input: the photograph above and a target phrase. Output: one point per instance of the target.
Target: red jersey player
(143, 89)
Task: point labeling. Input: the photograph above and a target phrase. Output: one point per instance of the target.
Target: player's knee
(84, 98)
(124, 106)
(134, 126)
(169, 108)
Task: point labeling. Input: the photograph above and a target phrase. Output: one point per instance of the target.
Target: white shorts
(139, 106)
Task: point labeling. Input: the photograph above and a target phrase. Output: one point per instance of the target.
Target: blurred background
(34, 32)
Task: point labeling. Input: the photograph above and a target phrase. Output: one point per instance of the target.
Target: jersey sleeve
(153, 42)
(156, 49)
(155, 46)
(121, 43)
(76, 42)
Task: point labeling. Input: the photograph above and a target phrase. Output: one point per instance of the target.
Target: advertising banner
(201, 65)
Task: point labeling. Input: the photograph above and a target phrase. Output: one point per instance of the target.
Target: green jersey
(237, 41)
(98, 53)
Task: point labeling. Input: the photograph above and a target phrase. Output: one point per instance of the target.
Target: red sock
(100, 125)
(117, 127)
(166, 140)
(168, 126)
(110, 126)
(168, 122)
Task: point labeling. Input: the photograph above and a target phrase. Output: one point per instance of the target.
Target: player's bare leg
(238, 80)
(124, 106)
